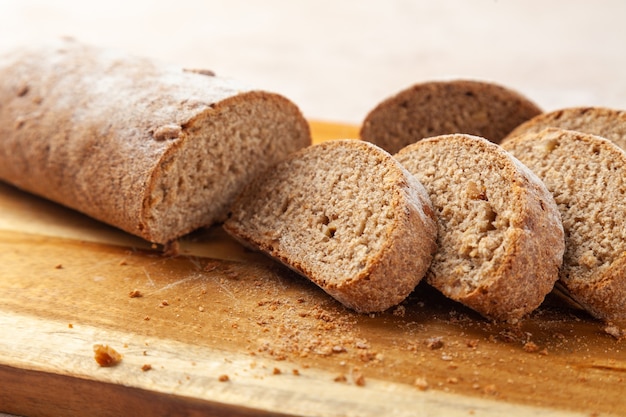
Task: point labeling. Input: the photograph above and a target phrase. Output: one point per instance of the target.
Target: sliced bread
(587, 176)
(345, 214)
(601, 121)
(150, 148)
(500, 238)
(445, 107)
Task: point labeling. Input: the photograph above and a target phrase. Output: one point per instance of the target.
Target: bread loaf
(500, 238)
(601, 121)
(153, 149)
(346, 215)
(587, 175)
(445, 107)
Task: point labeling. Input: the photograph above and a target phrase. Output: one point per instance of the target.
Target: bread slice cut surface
(500, 239)
(345, 214)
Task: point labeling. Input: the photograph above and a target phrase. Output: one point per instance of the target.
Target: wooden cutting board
(219, 330)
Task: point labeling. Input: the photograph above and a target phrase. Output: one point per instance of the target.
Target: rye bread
(500, 238)
(153, 149)
(445, 107)
(345, 214)
(601, 121)
(587, 176)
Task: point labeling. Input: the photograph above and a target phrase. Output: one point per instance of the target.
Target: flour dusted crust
(602, 121)
(346, 215)
(587, 175)
(445, 107)
(152, 149)
(500, 238)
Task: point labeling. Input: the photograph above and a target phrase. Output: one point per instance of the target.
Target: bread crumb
(106, 356)
(146, 318)
(615, 331)
(223, 378)
(490, 389)
(201, 309)
(164, 303)
(70, 325)
(434, 343)
(146, 367)
(135, 294)
(359, 379)
(531, 347)
(58, 266)
(421, 383)
(340, 378)
(276, 371)
(453, 380)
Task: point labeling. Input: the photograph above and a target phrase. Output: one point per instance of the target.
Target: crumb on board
(223, 378)
(70, 325)
(106, 356)
(146, 367)
(135, 294)
(421, 383)
(58, 266)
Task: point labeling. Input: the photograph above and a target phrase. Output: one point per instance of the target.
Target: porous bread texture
(150, 148)
(500, 238)
(346, 215)
(436, 108)
(601, 121)
(587, 176)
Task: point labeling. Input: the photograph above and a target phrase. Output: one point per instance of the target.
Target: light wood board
(229, 332)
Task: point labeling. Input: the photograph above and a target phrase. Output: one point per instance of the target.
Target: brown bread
(152, 149)
(500, 238)
(601, 121)
(346, 215)
(587, 175)
(445, 107)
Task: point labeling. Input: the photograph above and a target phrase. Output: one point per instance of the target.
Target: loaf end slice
(345, 214)
(601, 121)
(500, 237)
(148, 147)
(587, 176)
(445, 107)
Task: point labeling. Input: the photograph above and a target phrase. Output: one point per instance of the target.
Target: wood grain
(216, 311)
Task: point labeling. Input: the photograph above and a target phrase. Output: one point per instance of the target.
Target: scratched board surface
(219, 329)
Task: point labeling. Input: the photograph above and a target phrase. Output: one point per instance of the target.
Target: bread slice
(152, 149)
(587, 175)
(500, 238)
(346, 215)
(601, 121)
(445, 107)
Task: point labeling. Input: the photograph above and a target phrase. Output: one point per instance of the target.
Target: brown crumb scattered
(531, 347)
(615, 331)
(359, 379)
(434, 343)
(146, 318)
(453, 380)
(146, 367)
(472, 343)
(164, 303)
(123, 262)
(296, 372)
(276, 371)
(340, 378)
(421, 383)
(70, 325)
(106, 356)
(399, 311)
(201, 309)
(135, 294)
(58, 266)
(223, 378)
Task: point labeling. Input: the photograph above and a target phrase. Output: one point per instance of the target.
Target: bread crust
(101, 132)
(446, 107)
(519, 278)
(387, 276)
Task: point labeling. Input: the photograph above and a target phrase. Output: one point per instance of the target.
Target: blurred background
(338, 59)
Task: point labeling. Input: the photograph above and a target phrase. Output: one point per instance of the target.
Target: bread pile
(467, 185)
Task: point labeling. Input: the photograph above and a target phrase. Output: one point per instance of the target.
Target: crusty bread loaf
(445, 107)
(152, 149)
(346, 215)
(500, 238)
(601, 121)
(587, 175)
